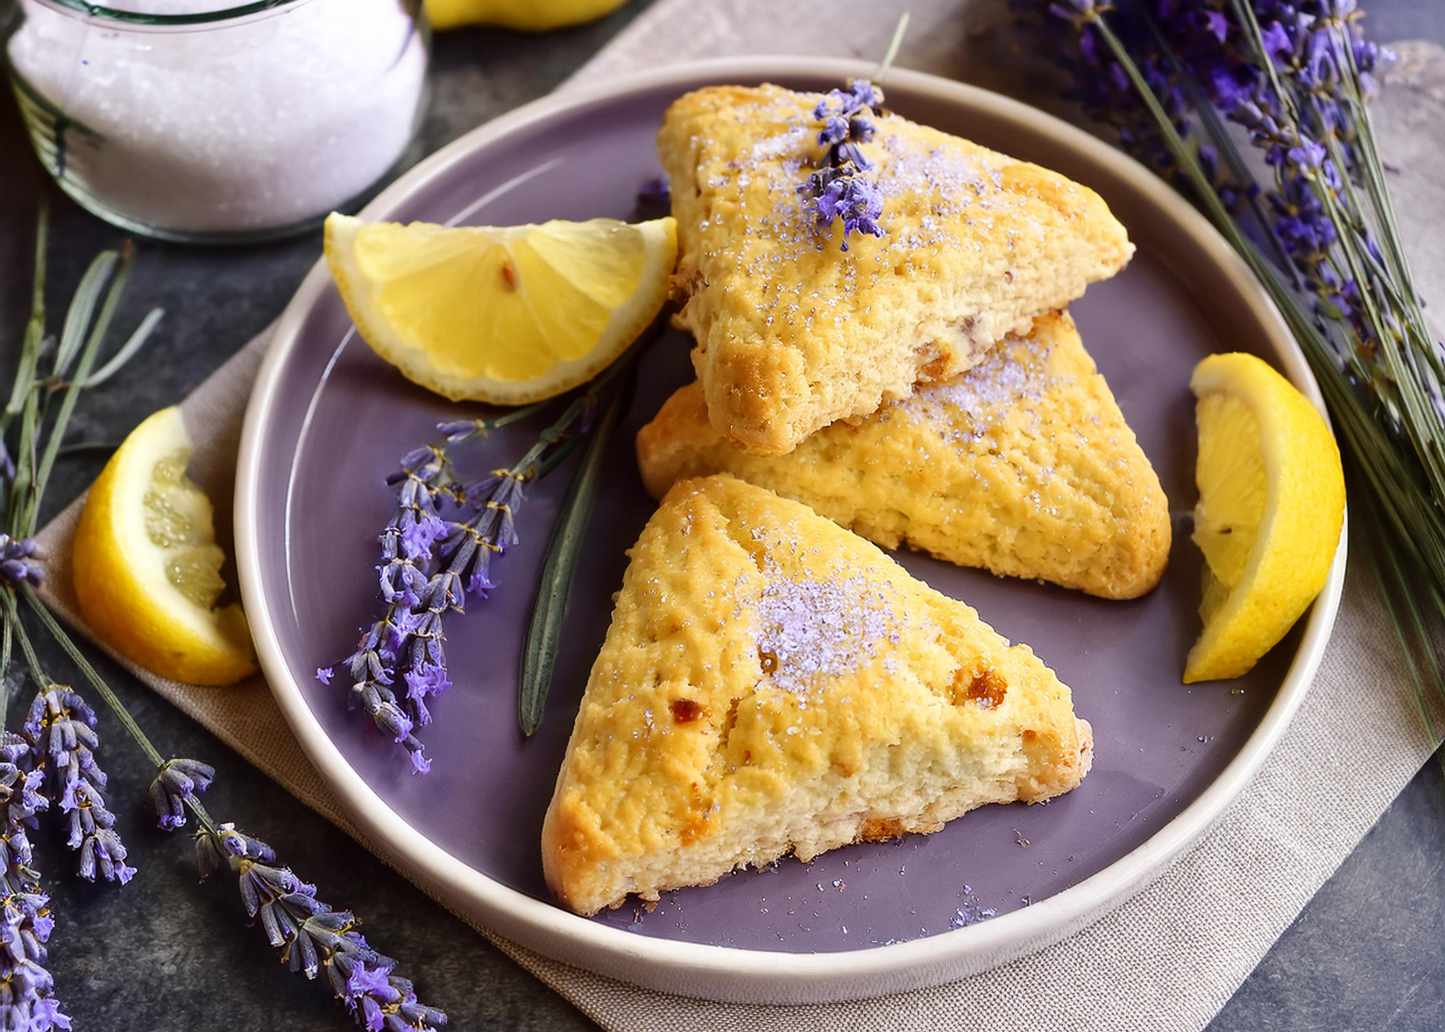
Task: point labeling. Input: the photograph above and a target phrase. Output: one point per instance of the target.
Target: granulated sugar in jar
(184, 120)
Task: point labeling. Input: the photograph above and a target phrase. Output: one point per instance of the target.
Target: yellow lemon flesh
(1271, 504)
(525, 15)
(506, 315)
(147, 568)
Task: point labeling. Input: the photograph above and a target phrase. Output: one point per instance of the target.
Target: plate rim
(722, 972)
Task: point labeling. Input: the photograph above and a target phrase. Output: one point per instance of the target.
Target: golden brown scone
(1023, 466)
(772, 683)
(792, 331)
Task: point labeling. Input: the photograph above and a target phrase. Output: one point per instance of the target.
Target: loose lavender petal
(654, 194)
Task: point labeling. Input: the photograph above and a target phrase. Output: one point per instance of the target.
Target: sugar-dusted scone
(772, 683)
(792, 331)
(1023, 466)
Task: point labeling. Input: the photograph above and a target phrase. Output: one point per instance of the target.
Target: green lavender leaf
(116, 266)
(539, 655)
(127, 351)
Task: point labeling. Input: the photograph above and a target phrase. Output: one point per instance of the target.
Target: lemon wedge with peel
(1271, 505)
(506, 315)
(147, 568)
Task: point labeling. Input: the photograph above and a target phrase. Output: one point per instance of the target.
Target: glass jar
(190, 124)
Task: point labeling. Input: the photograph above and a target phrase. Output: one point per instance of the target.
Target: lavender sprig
(839, 188)
(309, 933)
(1276, 68)
(1296, 75)
(432, 563)
(312, 936)
(27, 1000)
(61, 731)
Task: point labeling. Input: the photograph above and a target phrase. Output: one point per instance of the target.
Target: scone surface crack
(773, 684)
(792, 331)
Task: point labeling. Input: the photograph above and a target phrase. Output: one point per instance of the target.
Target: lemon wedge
(1271, 504)
(147, 568)
(525, 15)
(506, 315)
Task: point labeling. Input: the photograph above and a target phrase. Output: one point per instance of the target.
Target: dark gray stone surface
(166, 954)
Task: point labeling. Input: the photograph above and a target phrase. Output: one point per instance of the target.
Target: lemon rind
(161, 629)
(1269, 593)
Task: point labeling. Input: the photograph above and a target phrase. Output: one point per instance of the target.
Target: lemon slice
(506, 315)
(1271, 504)
(147, 568)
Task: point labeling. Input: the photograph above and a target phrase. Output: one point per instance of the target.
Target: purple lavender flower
(60, 728)
(459, 430)
(25, 919)
(16, 565)
(838, 189)
(1308, 136)
(312, 936)
(178, 781)
(852, 198)
(1102, 88)
(437, 551)
(414, 526)
(430, 565)
(654, 195)
(861, 95)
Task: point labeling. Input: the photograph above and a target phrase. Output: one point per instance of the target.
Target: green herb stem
(539, 655)
(32, 660)
(127, 351)
(894, 44)
(111, 700)
(34, 328)
(96, 681)
(77, 384)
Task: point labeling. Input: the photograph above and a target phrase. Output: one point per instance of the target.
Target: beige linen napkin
(1172, 956)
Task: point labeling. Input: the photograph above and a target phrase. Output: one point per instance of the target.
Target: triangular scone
(792, 331)
(1023, 466)
(772, 683)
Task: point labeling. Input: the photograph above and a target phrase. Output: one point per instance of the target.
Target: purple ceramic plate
(329, 420)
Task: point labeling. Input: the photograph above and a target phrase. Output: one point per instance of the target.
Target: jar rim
(116, 14)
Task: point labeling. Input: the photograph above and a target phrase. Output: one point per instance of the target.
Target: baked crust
(771, 683)
(1023, 465)
(792, 331)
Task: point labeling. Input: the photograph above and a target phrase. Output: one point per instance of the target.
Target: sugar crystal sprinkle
(818, 628)
(1002, 383)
